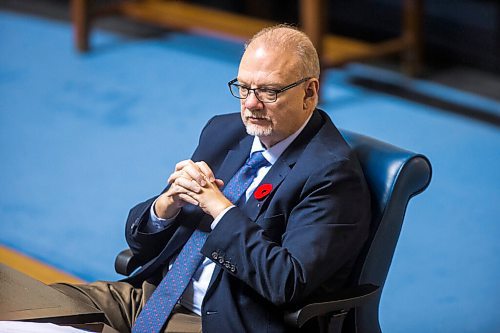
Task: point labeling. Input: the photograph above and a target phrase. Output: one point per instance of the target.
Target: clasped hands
(192, 183)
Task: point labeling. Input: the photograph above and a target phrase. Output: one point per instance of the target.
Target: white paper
(27, 327)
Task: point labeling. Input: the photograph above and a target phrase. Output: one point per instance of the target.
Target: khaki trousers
(122, 303)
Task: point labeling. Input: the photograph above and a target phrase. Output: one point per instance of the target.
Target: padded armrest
(125, 263)
(344, 300)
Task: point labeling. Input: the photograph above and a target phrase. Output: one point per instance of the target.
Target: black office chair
(394, 176)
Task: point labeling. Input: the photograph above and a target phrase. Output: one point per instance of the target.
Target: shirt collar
(272, 154)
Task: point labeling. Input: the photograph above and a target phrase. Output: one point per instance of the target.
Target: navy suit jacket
(273, 254)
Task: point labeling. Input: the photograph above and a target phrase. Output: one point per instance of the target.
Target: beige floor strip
(34, 268)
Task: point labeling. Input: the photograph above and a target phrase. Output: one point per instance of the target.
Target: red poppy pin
(262, 191)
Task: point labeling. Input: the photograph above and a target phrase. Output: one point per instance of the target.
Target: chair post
(413, 36)
(80, 14)
(313, 18)
(313, 21)
(367, 315)
(337, 322)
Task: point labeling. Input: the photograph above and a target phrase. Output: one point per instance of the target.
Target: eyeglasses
(265, 95)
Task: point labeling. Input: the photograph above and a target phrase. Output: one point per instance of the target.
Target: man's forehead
(268, 62)
(263, 50)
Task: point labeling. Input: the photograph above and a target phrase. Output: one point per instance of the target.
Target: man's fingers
(177, 175)
(219, 183)
(182, 192)
(199, 171)
(174, 176)
(191, 170)
(178, 172)
(185, 185)
(182, 164)
(188, 199)
(187, 169)
(206, 171)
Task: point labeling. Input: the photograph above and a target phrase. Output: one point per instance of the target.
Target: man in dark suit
(294, 233)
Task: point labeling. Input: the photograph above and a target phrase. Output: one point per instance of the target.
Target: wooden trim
(332, 50)
(340, 50)
(181, 15)
(34, 268)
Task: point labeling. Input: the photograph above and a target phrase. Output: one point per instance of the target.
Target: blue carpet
(85, 137)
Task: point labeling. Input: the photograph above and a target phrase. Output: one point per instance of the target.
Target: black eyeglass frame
(275, 91)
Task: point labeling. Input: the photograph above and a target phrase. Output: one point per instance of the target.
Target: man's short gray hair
(288, 37)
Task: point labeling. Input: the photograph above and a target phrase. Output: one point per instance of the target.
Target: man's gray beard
(258, 130)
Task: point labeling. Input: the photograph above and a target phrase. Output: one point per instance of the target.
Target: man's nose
(252, 102)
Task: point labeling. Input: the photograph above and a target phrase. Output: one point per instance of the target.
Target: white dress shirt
(192, 297)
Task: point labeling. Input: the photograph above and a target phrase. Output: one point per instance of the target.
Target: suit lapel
(282, 167)
(275, 176)
(235, 159)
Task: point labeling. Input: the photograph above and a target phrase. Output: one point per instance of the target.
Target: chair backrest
(394, 176)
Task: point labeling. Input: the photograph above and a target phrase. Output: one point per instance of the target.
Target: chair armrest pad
(343, 301)
(125, 262)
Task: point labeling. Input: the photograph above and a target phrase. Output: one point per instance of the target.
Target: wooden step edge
(34, 268)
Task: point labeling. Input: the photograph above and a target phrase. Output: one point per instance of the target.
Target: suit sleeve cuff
(220, 216)
(156, 223)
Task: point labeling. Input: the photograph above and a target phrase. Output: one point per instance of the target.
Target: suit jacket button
(233, 269)
(221, 260)
(227, 264)
(215, 255)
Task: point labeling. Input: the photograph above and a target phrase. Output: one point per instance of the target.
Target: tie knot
(257, 160)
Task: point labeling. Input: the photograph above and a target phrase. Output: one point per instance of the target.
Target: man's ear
(311, 93)
(312, 88)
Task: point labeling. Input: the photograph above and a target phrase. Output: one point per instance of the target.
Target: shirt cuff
(156, 223)
(219, 217)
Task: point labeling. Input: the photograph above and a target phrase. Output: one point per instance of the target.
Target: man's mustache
(257, 115)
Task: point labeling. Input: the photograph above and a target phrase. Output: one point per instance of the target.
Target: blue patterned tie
(155, 313)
